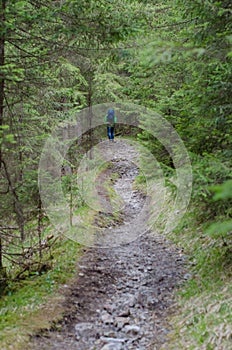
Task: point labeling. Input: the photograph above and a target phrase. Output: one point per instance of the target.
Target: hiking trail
(125, 285)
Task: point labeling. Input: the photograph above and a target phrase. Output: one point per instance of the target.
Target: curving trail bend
(123, 294)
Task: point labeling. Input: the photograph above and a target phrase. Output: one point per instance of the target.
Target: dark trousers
(110, 132)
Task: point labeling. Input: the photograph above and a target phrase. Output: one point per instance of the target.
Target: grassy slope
(22, 311)
(204, 320)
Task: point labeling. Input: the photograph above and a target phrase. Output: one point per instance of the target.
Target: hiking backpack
(110, 116)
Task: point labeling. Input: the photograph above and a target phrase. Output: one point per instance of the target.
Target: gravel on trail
(123, 294)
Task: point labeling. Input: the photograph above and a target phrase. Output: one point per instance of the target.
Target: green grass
(22, 309)
(204, 317)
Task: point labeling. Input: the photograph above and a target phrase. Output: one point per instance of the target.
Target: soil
(125, 287)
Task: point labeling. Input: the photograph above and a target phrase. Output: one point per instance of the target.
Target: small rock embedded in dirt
(124, 313)
(108, 307)
(133, 329)
(112, 346)
(107, 318)
(120, 322)
(84, 330)
(112, 340)
(187, 276)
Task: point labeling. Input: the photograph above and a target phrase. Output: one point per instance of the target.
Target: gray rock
(107, 318)
(120, 322)
(84, 330)
(124, 313)
(133, 329)
(112, 346)
(112, 340)
(108, 307)
(187, 276)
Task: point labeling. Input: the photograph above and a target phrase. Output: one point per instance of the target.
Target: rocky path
(123, 293)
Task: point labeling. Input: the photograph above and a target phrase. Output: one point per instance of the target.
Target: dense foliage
(184, 72)
(57, 57)
(54, 55)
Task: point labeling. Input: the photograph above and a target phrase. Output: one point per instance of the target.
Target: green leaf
(10, 138)
(220, 229)
(223, 191)
(4, 127)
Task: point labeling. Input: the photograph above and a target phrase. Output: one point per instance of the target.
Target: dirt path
(122, 294)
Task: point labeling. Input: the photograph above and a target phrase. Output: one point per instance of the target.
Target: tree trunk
(1, 262)
(39, 227)
(90, 132)
(2, 61)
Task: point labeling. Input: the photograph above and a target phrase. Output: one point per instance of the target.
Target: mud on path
(123, 294)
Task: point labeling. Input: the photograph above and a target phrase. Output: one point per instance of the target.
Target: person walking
(110, 120)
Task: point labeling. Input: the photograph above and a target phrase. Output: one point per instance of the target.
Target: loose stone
(133, 329)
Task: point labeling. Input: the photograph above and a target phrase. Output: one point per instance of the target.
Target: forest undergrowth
(171, 58)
